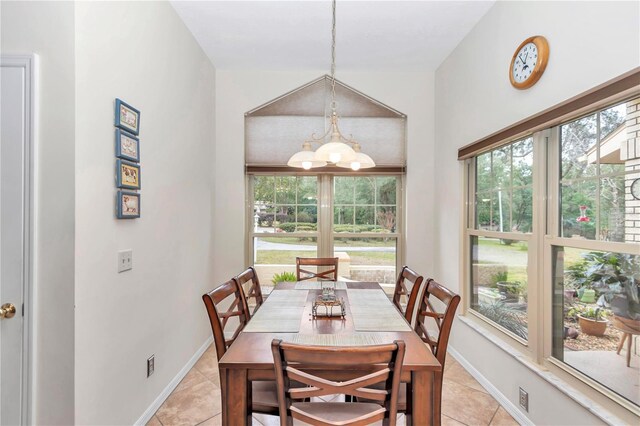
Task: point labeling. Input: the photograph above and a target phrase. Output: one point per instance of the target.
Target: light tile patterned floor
(196, 400)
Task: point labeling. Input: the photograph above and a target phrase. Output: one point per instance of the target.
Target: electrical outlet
(524, 400)
(125, 260)
(151, 361)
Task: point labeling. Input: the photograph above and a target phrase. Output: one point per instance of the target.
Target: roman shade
(277, 129)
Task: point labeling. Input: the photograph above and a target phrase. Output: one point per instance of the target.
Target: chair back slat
(253, 291)
(330, 274)
(407, 275)
(295, 366)
(229, 292)
(310, 356)
(442, 320)
(317, 386)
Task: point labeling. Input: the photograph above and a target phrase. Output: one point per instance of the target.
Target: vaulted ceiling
(296, 35)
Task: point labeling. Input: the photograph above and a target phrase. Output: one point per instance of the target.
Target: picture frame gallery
(127, 152)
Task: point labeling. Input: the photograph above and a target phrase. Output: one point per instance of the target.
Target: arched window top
(277, 129)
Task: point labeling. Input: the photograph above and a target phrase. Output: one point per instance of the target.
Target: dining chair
(407, 275)
(263, 392)
(364, 365)
(318, 262)
(253, 292)
(442, 319)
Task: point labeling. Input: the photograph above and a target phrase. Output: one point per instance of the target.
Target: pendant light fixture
(339, 150)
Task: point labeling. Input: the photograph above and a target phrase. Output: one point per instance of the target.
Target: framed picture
(127, 117)
(127, 174)
(127, 146)
(128, 205)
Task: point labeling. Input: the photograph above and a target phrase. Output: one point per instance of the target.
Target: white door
(15, 156)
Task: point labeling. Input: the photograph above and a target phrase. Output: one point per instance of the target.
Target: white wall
(46, 28)
(590, 43)
(142, 53)
(240, 91)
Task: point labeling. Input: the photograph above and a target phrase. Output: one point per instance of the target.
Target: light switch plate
(125, 260)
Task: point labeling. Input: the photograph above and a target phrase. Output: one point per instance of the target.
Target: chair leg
(630, 337)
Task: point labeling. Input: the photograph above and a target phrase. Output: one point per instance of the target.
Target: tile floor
(196, 400)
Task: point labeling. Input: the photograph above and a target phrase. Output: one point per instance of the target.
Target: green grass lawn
(281, 257)
(517, 272)
(288, 257)
(338, 243)
(310, 241)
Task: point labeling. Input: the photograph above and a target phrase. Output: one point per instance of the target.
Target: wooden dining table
(249, 358)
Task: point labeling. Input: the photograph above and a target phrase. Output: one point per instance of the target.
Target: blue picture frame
(128, 205)
(127, 174)
(127, 146)
(127, 117)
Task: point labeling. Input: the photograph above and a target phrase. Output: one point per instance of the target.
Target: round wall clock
(635, 189)
(529, 62)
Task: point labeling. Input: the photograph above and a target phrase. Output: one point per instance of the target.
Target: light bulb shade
(305, 159)
(365, 162)
(335, 152)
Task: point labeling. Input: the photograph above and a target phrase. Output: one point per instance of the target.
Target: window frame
(545, 235)
(325, 235)
(533, 261)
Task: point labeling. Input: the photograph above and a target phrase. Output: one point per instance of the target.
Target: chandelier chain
(333, 57)
(339, 150)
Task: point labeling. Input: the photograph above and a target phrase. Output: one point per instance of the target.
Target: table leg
(423, 408)
(630, 337)
(236, 397)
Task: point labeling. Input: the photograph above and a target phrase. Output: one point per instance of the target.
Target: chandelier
(339, 150)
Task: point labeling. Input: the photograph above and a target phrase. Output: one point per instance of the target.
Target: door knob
(8, 310)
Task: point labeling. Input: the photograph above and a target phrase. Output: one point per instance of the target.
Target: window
(596, 257)
(592, 176)
(364, 226)
(285, 219)
(354, 218)
(588, 227)
(499, 241)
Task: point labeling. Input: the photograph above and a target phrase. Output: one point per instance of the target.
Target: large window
(572, 263)
(354, 218)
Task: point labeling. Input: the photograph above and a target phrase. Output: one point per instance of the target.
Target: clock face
(529, 62)
(525, 62)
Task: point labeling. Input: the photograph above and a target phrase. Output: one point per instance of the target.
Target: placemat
(373, 311)
(361, 339)
(316, 285)
(280, 313)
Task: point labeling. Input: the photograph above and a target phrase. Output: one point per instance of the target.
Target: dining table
(287, 314)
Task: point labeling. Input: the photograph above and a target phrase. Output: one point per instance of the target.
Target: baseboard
(146, 416)
(493, 391)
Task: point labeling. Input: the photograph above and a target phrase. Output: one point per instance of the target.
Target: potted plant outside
(592, 320)
(615, 277)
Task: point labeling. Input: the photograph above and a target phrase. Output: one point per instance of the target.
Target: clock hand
(521, 60)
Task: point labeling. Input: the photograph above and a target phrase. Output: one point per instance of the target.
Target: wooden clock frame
(543, 58)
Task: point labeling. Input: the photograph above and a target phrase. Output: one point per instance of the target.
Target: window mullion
(536, 272)
(325, 216)
(249, 254)
(471, 194)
